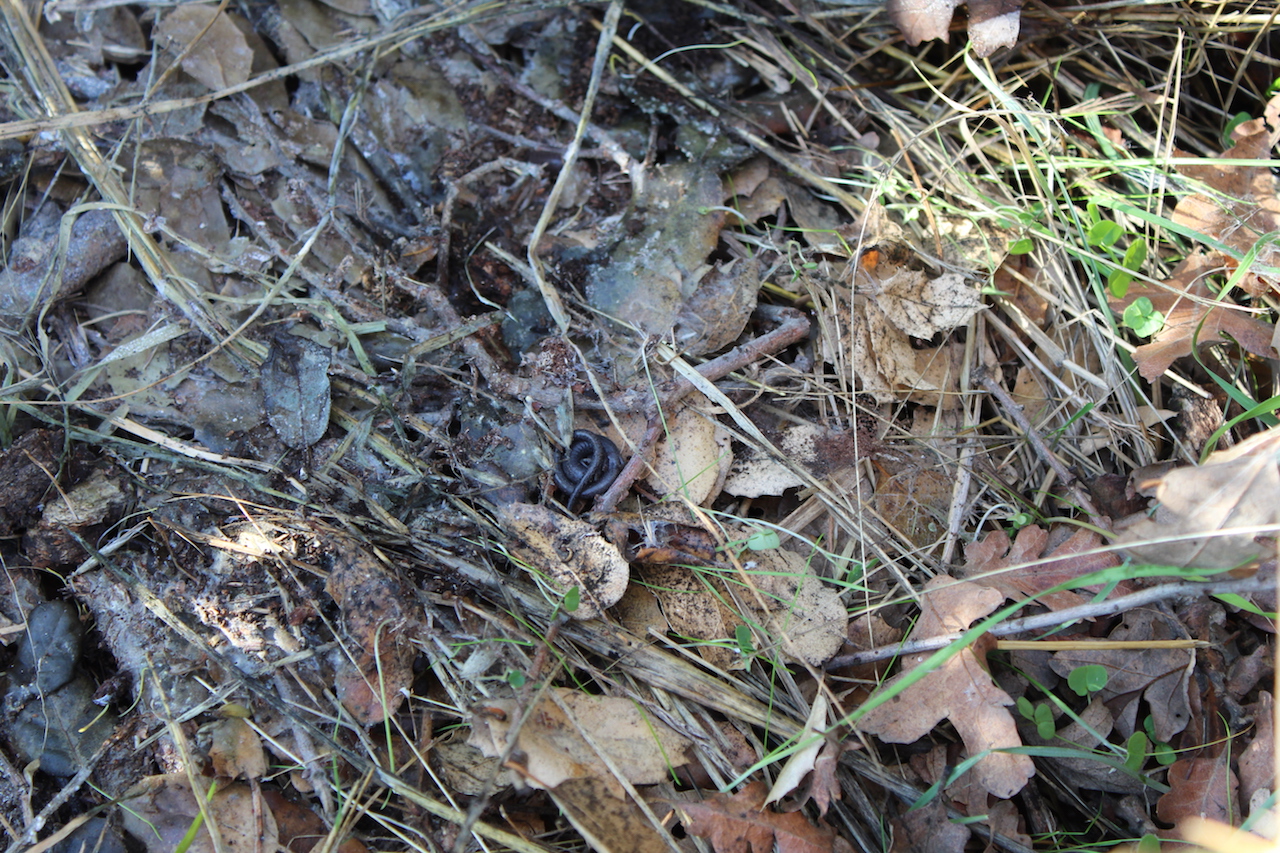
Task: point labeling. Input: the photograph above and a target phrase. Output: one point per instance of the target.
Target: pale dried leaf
(641, 746)
(922, 307)
(1197, 502)
(922, 20)
(993, 24)
(568, 553)
(295, 390)
(801, 762)
(236, 750)
(693, 459)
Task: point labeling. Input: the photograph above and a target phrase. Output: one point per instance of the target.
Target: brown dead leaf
(986, 562)
(1257, 761)
(1193, 316)
(1236, 488)
(376, 612)
(961, 690)
(1241, 204)
(928, 829)
(1200, 788)
(805, 615)
(642, 747)
(607, 821)
(568, 553)
(220, 58)
(161, 810)
(693, 459)
(1159, 675)
(739, 823)
(802, 761)
(300, 828)
(236, 750)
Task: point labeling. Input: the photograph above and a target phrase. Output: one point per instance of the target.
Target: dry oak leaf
(929, 829)
(567, 553)
(960, 690)
(1235, 488)
(739, 823)
(987, 562)
(1193, 316)
(1200, 788)
(1243, 206)
(1159, 675)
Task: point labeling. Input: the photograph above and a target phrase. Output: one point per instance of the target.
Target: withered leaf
(961, 690)
(376, 612)
(1193, 316)
(739, 823)
(568, 553)
(222, 56)
(162, 810)
(641, 746)
(1200, 788)
(295, 390)
(1159, 675)
(1236, 488)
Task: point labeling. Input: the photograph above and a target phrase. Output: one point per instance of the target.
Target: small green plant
(1040, 714)
(1087, 679)
(1161, 750)
(1141, 316)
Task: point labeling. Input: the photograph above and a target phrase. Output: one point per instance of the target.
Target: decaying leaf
(960, 690)
(993, 24)
(987, 562)
(1158, 674)
(804, 615)
(740, 823)
(568, 553)
(236, 750)
(220, 58)
(1193, 316)
(605, 820)
(295, 389)
(552, 740)
(1240, 205)
(929, 829)
(1199, 505)
(375, 674)
(162, 809)
(1200, 788)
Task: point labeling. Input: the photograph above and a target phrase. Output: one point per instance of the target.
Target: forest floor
(674, 427)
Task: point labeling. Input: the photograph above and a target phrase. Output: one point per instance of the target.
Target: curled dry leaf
(1199, 505)
(375, 674)
(552, 740)
(568, 553)
(236, 750)
(961, 690)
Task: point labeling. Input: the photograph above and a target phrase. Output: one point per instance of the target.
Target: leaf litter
(284, 399)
